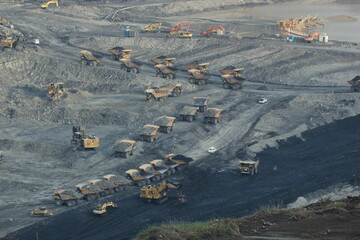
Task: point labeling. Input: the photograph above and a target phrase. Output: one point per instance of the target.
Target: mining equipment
(302, 27)
(154, 27)
(249, 167)
(232, 77)
(6, 23)
(47, 4)
(88, 58)
(152, 95)
(188, 113)
(181, 34)
(165, 123)
(149, 169)
(138, 178)
(124, 148)
(159, 193)
(212, 115)
(160, 165)
(82, 140)
(355, 84)
(149, 133)
(179, 159)
(56, 90)
(172, 91)
(14, 42)
(41, 211)
(163, 60)
(120, 181)
(102, 209)
(66, 196)
(180, 27)
(164, 71)
(119, 52)
(89, 191)
(107, 187)
(218, 30)
(129, 65)
(201, 102)
(198, 73)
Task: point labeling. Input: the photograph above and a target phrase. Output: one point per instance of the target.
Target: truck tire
(93, 63)
(159, 74)
(58, 202)
(83, 62)
(235, 86)
(168, 130)
(226, 85)
(140, 183)
(170, 76)
(71, 203)
(201, 82)
(134, 70)
(117, 189)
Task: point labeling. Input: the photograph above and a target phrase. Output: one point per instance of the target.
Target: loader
(212, 115)
(56, 90)
(154, 27)
(124, 148)
(179, 159)
(107, 187)
(89, 191)
(249, 167)
(232, 77)
(41, 211)
(355, 84)
(149, 133)
(138, 178)
(201, 103)
(88, 58)
(83, 141)
(159, 164)
(152, 95)
(159, 194)
(165, 123)
(66, 196)
(188, 113)
(120, 181)
(102, 209)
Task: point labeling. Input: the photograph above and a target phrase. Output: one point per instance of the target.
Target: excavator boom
(178, 27)
(210, 31)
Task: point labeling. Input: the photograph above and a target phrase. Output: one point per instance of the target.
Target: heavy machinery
(180, 26)
(201, 103)
(56, 90)
(66, 196)
(163, 60)
(124, 148)
(89, 191)
(249, 167)
(47, 4)
(102, 209)
(88, 58)
(120, 181)
(152, 95)
(355, 84)
(212, 115)
(41, 211)
(165, 123)
(14, 42)
(119, 52)
(173, 91)
(198, 73)
(138, 178)
(149, 169)
(218, 30)
(179, 159)
(155, 27)
(164, 71)
(232, 77)
(188, 113)
(107, 187)
(314, 36)
(6, 23)
(300, 27)
(149, 133)
(159, 165)
(82, 140)
(129, 65)
(181, 34)
(159, 194)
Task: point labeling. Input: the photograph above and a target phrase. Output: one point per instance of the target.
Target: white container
(326, 39)
(36, 41)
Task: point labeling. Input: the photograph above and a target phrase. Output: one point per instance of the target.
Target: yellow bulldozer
(155, 27)
(41, 212)
(56, 90)
(102, 209)
(159, 194)
(82, 140)
(47, 4)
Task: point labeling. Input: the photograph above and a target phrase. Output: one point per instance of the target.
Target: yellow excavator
(155, 27)
(159, 194)
(46, 5)
(6, 23)
(41, 212)
(182, 34)
(101, 210)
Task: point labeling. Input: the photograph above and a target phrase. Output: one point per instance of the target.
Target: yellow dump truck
(66, 196)
(188, 113)
(197, 73)
(13, 42)
(201, 103)
(160, 165)
(149, 133)
(163, 71)
(124, 147)
(355, 84)
(249, 167)
(152, 95)
(88, 58)
(179, 159)
(137, 177)
(212, 115)
(166, 123)
(89, 191)
(120, 181)
(129, 66)
(172, 91)
(83, 141)
(107, 187)
(149, 169)
(232, 77)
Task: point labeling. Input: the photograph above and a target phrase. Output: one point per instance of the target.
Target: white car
(263, 100)
(212, 149)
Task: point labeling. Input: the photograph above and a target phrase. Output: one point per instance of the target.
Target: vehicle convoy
(14, 42)
(198, 73)
(355, 84)
(120, 181)
(41, 211)
(172, 91)
(201, 103)
(165, 123)
(188, 113)
(154, 27)
(149, 169)
(139, 179)
(159, 194)
(102, 209)
(179, 159)
(6, 23)
(66, 196)
(82, 140)
(218, 30)
(152, 95)
(106, 186)
(56, 90)
(149, 133)
(124, 147)
(47, 4)
(159, 165)
(212, 115)
(249, 167)
(232, 77)
(89, 191)
(88, 58)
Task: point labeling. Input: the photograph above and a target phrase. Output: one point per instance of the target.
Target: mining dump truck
(106, 186)
(129, 65)
(201, 103)
(232, 77)
(82, 140)
(163, 71)
(120, 181)
(355, 84)
(13, 42)
(173, 91)
(212, 115)
(165, 123)
(89, 191)
(152, 95)
(119, 52)
(65, 196)
(249, 167)
(198, 73)
(41, 211)
(160, 165)
(56, 90)
(149, 169)
(124, 147)
(188, 113)
(182, 160)
(88, 58)
(159, 194)
(102, 209)
(138, 178)
(163, 60)
(149, 133)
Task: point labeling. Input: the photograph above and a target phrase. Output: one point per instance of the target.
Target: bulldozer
(188, 113)
(88, 58)
(198, 73)
(47, 4)
(149, 133)
(41, 211)
(107, 187)
(124, 148)
(249, 167)
(82, 140)
(56, 90)
(180, 33)
(232, 77)
(181, 161)
(138, 178)
(201, 103)
(154, 27)
(165, 123)
(212, 115)
(120, 181)
(355, 84)
(172, 91)
(152, 95)
(159, 194)
(159, 165)
(89, 191)
(14, 42)
(67, 197)
(101, 209)
(6, 23)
